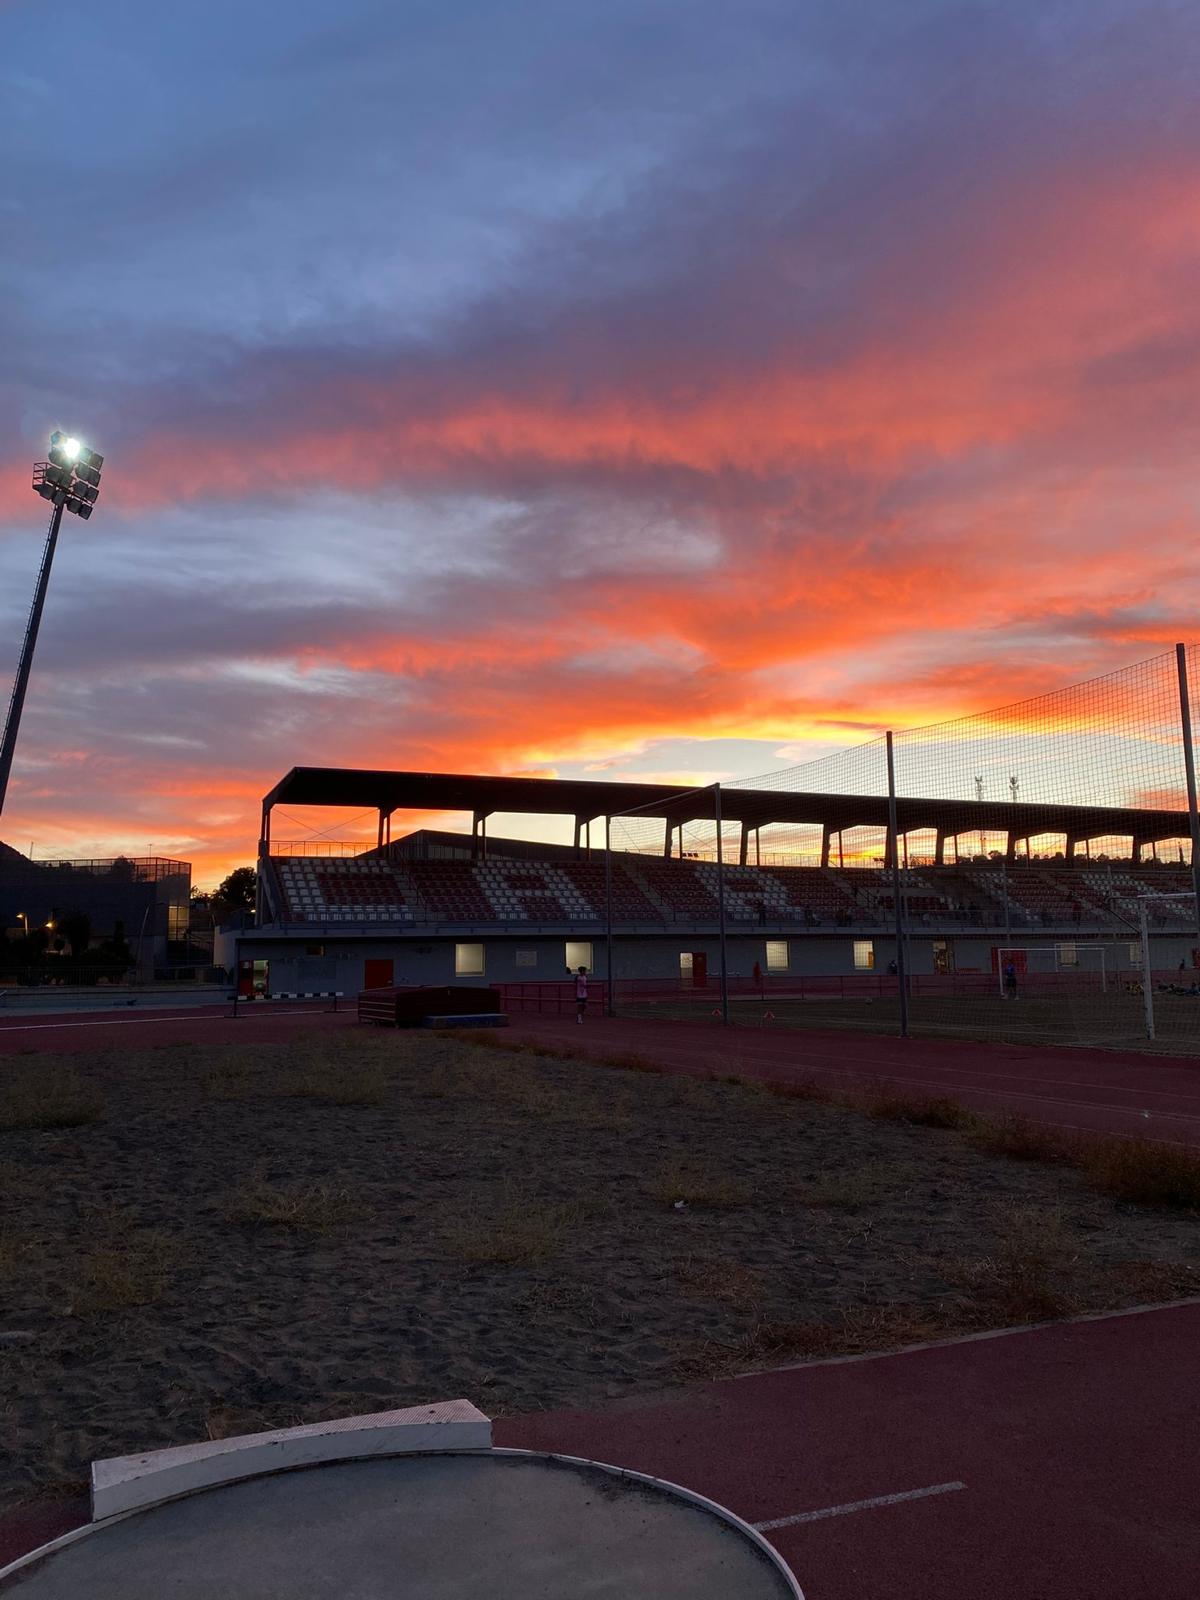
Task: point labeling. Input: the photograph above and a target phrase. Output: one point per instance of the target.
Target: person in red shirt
(580, 993)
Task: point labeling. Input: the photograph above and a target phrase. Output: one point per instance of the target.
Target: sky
(660, 388)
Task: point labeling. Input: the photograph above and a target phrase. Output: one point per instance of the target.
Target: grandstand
(433, 906)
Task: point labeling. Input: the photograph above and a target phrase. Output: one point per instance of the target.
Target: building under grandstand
(437, 907)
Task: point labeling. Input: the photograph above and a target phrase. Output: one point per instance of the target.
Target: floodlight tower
(70, 480)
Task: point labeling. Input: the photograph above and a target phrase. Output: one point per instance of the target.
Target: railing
(323, 847)
(121, 869)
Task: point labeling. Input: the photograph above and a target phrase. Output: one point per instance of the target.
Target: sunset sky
(645, 388)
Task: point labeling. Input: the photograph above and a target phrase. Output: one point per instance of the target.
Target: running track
(1057, 1463)
(1097, 1091)
(1064, 1459)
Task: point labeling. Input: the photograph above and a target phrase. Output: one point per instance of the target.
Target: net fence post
(610, 1000)
(893, 842)
(1147, 979)
(1189, 766)
(721, 905)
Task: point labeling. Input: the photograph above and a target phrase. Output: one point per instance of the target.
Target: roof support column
(939, 848)
(744, 845)
(479, 836)
(826, 836)
(1010, 845)
(667, 830)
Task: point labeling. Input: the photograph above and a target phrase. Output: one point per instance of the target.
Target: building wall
(308, 963)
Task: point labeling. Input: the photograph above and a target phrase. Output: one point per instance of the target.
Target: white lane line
(857, 1505)
(120, 1022)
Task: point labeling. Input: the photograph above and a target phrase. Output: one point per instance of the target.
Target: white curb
(128, 1483)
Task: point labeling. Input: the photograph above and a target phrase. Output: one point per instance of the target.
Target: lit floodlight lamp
(66, 443)
(71, 477)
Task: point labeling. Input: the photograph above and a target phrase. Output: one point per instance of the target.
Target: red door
(377, 972)
(699, 970)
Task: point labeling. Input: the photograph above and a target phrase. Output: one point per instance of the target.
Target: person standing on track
(580, 994)
(1010, 980)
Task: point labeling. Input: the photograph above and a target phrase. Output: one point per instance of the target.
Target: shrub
(1148, 1174)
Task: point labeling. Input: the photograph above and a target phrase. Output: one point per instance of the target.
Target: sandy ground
(227, 1247)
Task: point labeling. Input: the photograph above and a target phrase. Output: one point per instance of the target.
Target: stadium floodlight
(70, 481)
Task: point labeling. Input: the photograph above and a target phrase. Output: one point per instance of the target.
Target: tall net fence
(1024, 873)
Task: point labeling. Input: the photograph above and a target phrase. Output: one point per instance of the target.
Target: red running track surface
(1095, 1091)
(1076, 1446)
(109, 1030)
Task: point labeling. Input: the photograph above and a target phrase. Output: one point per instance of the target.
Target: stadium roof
(584, 799)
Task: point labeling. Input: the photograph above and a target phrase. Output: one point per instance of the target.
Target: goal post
(1038, 960)
(1169, 912)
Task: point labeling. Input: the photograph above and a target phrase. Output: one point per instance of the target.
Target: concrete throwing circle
(444, 1527)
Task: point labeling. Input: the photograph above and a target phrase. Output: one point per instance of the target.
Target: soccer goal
(1025, 965)
(1164, 914)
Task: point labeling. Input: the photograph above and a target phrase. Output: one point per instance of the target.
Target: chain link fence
(1024, 874)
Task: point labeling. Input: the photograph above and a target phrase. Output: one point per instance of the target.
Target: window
(1135, 954)
(468, 961)
(1068, 955)
(526, 958)
(177, 922)
(777, 955)
(579, 954)
(864, 955)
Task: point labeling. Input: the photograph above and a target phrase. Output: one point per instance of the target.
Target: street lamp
(24, 922)
(69, 480)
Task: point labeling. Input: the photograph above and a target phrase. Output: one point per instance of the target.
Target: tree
(76, 928)
(237, 892)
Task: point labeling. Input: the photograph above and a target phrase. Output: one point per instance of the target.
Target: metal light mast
(70, 480)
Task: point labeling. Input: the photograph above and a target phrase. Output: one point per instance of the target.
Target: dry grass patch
(318, 1206)
(518, 1227)
(1017, 1139)
(855, 1331)
(1022, 1280)
(698, 1187)
(339, 1083)
(1147, 1174)
(921, 1111)
(13, 1248)
(358, 1084)
(47, 1097)
(841, 1191)
(800, 1089)
(119, 1275)
(1157, 1280)
(733, 1283)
